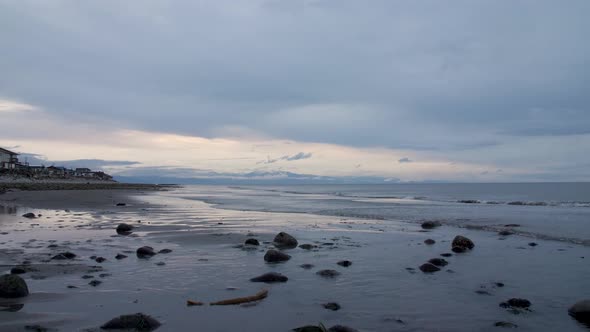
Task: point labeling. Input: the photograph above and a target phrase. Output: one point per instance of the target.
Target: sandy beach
(382, 289)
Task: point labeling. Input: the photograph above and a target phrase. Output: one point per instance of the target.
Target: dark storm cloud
(402, 74)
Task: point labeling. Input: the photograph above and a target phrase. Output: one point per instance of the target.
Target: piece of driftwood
(192, 303)
(240, 300)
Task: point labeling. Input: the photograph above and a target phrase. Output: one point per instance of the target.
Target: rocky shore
(77, 185)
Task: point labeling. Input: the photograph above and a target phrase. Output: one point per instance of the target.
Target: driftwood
(259, 296)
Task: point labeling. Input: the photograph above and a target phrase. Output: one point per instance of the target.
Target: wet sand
(383, 289)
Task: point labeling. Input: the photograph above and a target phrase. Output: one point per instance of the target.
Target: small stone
(145, 252)
(124, 229)
(100, 259)
(533, 244)
(438, 262)
(307, 246)
(516, 303)
(121, 204)
(95, 283)
(138, 322)
(160, 263)
(271, 277)
(328, 273)
(120, 256)
(345, 263)
(87, 276)
(165, 251)
(429, 242)
(13, 286)
(29, 215)
(332, 306)
(252, 242)
(275, 256)
(284, 240)
(505, 233)
(430, 224)
(428, 268)
(461, 241)
(506, 325)
(307, 266)
(446, 254)
(499, 284)
(64, 256)
(340, 328)
(72, 287)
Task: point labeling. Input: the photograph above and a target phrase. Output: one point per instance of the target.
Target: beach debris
(328, 273)
(581, 312)
(430, 224)
(270, 277)
(240, 300)
(345, 263)
(429, 268)
(461, 244)
(252, 242)
(284, 240)
(307, 246)
(191, 303)
(506, 325)
(124, 229)
(275, 256)
(29, 215)
(138, 322)
(438, 262)
(145, 252)
(307, 266)
(332, 306)
(12, 286)
(429, 242)
(120, 256)
(64, 256)
(165, 251)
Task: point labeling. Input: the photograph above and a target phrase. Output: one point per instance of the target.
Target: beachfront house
(8, 159)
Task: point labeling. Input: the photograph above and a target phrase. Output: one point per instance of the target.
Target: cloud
(405, 160)
(11, 106)
(295, 157)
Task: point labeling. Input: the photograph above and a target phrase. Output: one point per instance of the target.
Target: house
(82, 172)
(8, 159)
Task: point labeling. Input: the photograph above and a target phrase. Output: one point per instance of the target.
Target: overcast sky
(465, 90)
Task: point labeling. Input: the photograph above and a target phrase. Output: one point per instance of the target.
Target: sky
(461, 91)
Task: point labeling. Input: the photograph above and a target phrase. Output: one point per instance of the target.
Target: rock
(121, 204)
(499, 284)
(345, 263)
(446, 254)
(505, 233)
(533, 244)
(340, 328)
(307, 246)
(430, 224)
(165, 251)
(13, 286)
(332, 306)
(328, 273)
(95, 283)
(145, 252)
(138, 322)
(469, 201)
(506, 325)
(30, 215)
(284, 240)
(429, 242)
(269, 278)
(516, 303)
(100, 259)
(120, 256)
(458, 250)
(310, 328)
(275, 256)
(428, 268)
(512, 225)
(18, 270)
(438, 262)
(38, 328)
(462, 242)
(124, 229)
(160, 263)
(252, 242)
(581, 312)
(64, 255)
(307, 266)
(87, 276)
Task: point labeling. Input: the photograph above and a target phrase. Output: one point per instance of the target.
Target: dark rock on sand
(18, 270)
(340, 328)
(307, 266)
(87, 276)
(505, 233)
(275, 256)
(516, 303)
(269, 278)
(458, 250)
(100, 259)
(124, 229)
(328, 273)
(138, 322)
(345, 263)
(462, 242)
(38, 328)
(499, 284)
(13, 286)
(469, 201)
(95, 283)
(252, 242)
(307, 246)
(310, 328)
(120, 256)
(30, 215)
(446, 254)
(332, 306)
(430, 224)
(533, 244)
(284, 240)
(165, 251)
(64, 256)
(506, 325)
(145, 252)
(428, 268)
(581, 312)
(121, 204)
(438, 262)
(429, 242)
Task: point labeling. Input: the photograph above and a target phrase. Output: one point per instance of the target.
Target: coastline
(383, 289)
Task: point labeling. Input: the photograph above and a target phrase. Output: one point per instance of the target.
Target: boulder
(30, 215)
(145, 252)
(13, 286)
(430, 224)
(438, 262)
(252, 242)
(124, 229)
(428, 268)
(275, 256)
(462, 242)
(328, 273)
(284, 240)
(138, 322)
(270, 278)
(581, 311)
